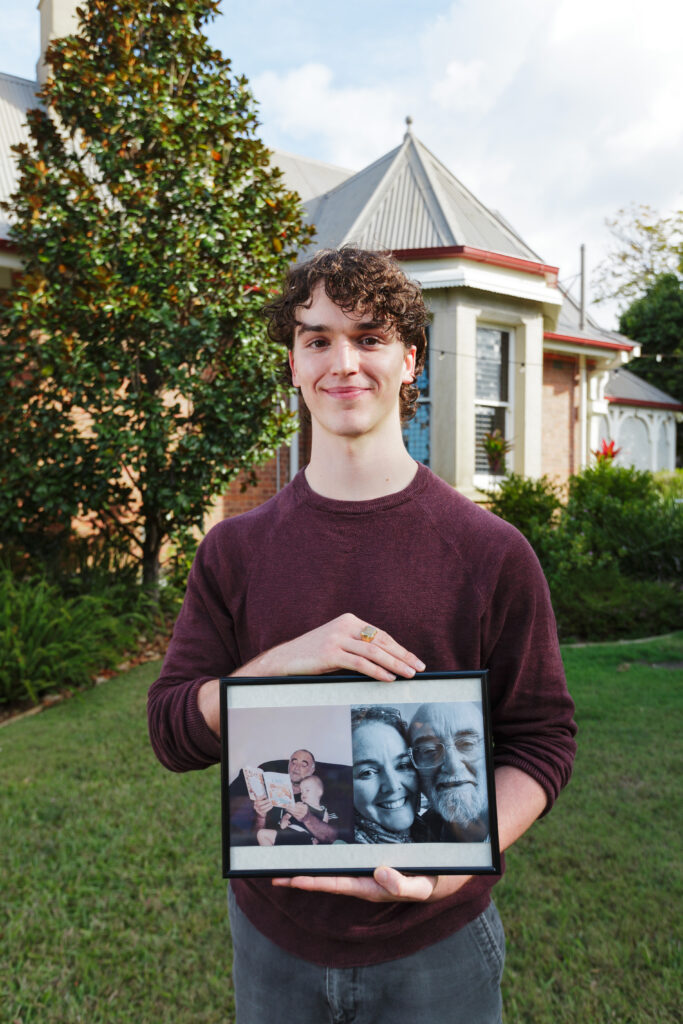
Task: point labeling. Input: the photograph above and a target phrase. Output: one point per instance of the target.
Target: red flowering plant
(496, 448)
(606, 453)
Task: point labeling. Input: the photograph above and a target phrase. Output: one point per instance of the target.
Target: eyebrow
(366, 325)
(438, 738)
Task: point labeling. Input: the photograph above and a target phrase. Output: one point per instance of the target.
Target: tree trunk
(151, 550)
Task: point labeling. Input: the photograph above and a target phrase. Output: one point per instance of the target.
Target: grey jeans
(455, 981)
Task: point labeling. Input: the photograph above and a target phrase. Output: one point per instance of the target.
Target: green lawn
(113, 908)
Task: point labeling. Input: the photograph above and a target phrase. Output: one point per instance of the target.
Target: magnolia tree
(137, 376)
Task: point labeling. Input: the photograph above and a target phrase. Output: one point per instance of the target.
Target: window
(491, 403)
(416, 432)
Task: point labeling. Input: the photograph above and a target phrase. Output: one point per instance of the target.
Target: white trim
(461, 273)
(508, 406)
(583, 413)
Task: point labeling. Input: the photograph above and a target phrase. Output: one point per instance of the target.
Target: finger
(376, 654)
(338, 885)
(351, 624)
(402, 654)
(405, 887)
(384, 644)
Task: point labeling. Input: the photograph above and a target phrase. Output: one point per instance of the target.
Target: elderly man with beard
(447, 748)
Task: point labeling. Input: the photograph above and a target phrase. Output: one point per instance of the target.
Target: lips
(392, 805)
(349, 392)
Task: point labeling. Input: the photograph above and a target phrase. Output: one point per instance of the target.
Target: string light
(442, 352)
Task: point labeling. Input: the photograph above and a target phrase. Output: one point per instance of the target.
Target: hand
(334, 646)
(262, 805)
(298, 811)
(386, 885)
(285, 820)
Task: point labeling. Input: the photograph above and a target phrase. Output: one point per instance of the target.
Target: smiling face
(301, 765)
(385, 787)
(452, 735)
(349, 368)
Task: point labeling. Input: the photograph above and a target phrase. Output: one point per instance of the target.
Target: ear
(290, 356)
(409, 365)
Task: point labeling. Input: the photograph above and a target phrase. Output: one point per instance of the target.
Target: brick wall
(242, 496)
(560, 417)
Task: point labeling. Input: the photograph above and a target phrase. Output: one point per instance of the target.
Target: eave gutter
(642, 403)
(466, 252)
(571, 339)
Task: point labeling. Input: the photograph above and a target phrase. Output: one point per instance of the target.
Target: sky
(556, 114)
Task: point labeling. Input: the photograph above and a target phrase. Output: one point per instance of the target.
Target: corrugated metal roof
(17, 95)
(569, 323)
(335, 213)
(408, 200)
(626, 385)
(309, 178)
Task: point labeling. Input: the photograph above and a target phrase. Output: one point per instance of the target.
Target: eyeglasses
(431, 753)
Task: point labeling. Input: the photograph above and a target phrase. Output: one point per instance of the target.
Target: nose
(391, 781)
(453, 761)
(345, 358)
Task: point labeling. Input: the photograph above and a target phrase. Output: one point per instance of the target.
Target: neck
(358, 469)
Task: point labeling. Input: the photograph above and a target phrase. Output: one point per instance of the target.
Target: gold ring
(368, 633)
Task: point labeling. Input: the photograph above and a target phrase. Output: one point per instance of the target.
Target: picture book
(276, 786)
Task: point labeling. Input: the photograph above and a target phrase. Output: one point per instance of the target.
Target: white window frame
(487, 480)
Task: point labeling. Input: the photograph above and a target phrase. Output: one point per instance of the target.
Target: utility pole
(582, 316)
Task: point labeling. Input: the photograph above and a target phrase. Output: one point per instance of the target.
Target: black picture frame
(439, 818)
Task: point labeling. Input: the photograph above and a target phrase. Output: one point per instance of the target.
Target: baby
(290, 830)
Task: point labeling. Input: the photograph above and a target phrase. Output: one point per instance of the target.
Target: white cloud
(556, 113)
(350, 125)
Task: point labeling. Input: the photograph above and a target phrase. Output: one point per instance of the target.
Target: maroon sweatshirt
(449, 581)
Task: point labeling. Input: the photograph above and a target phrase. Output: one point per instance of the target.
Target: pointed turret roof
(408, 200)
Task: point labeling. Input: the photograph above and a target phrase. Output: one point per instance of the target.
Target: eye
(363, 774)
(467, 746)
(405, 765)
(316, 343)
(371, 341)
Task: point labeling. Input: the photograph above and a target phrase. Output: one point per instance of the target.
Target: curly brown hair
(357, 279)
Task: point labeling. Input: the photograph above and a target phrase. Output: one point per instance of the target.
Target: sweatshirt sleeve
(531, 709)
(202, 647)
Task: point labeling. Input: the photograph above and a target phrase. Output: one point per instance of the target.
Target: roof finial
(408, 133)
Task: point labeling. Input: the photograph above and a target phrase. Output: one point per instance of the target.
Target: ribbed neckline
(387, 501)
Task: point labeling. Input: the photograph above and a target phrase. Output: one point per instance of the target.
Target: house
(509, 349)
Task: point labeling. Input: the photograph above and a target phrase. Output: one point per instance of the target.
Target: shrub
(604, 554)
(606, 605)
(48, 642)
(527, 504)
(608, 482)
(670, 485)
(621, 515)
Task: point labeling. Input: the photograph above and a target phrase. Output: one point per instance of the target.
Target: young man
(366, 561)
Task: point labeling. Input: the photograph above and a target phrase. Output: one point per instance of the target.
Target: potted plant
(496, 448)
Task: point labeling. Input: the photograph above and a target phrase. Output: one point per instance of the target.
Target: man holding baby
(271, 822)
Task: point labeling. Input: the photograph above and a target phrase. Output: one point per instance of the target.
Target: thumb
(415, 887)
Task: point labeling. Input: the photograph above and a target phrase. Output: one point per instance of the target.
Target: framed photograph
(337, 774)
